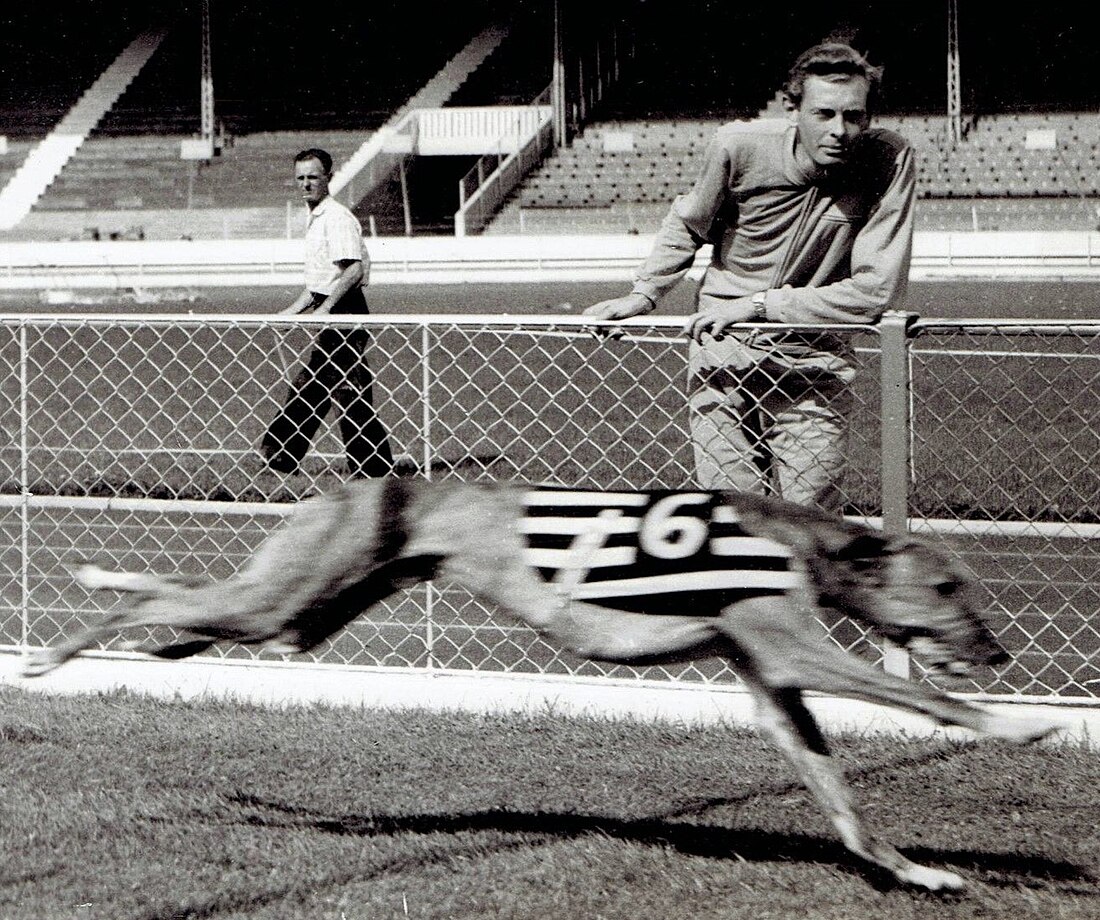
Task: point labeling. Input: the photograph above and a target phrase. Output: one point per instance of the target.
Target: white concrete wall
(421, 260)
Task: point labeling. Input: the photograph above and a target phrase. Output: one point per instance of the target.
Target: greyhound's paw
(279, 646)
(39, 663)
(1023, 730)
(138, 646)
(931, 879)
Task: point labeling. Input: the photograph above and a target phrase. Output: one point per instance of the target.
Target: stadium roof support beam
(206, 145)
(558, 100)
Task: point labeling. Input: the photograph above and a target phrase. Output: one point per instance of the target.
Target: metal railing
(134, 440)
(485, 188)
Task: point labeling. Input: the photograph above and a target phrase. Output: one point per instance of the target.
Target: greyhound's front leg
(785, 650)
(785, 719)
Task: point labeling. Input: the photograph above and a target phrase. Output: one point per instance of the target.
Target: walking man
(336, 271)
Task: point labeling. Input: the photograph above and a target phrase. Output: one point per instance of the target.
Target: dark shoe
(282, 463)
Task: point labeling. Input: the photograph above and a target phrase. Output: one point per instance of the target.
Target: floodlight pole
(206, 87)
(954, 82)
(557, 81)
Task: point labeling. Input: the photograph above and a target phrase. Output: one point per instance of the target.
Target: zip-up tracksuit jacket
(827, 245)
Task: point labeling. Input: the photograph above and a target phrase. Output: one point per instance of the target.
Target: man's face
(831, 117)
(312, 180)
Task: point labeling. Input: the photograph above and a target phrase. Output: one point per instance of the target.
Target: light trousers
(769, 428)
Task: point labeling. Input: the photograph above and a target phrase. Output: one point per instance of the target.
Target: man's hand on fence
(620, 307)
(715, 320)
(617, 308)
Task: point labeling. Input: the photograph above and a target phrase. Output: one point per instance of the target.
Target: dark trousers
(336, 371)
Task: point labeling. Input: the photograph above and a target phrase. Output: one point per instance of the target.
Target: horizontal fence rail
(135, 441)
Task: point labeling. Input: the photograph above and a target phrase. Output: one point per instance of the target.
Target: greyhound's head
(903, 588)
(914, 595)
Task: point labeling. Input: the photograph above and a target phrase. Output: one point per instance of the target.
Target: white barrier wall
(476, 130)
(426, 260)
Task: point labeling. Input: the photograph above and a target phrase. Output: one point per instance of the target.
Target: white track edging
(293, 683)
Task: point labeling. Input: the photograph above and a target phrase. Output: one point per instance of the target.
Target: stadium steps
(588, 188)
(46, 161)
(146, 172)
(433, 94)
(10, 161)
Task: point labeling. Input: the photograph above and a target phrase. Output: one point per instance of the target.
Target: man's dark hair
(316, 153)
(829, 59)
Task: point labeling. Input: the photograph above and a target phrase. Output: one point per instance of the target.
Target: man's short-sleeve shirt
(332, 234)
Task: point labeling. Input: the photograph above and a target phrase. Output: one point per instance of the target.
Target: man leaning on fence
(336, 270)
(811, 220)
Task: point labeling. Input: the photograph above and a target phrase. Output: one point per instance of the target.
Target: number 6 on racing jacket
(632, 577)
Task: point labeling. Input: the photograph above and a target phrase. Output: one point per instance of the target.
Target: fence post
(25, 492)
(895, 444)
(426, 397)
(426, 434)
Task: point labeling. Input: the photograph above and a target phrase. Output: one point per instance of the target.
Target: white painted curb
(282, 683)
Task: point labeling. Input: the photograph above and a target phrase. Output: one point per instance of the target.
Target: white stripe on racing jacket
(653, 551)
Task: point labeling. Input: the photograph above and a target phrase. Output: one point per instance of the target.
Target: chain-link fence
(1005, 452)
(137, 441)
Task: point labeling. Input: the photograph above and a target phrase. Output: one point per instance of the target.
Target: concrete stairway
(47, 159)
(433, 94)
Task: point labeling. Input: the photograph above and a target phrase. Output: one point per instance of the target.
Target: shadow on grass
(477, 834)
(692, 838)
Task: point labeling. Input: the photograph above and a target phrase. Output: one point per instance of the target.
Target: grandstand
(1016, 171)
(644, 99)
(126, 176)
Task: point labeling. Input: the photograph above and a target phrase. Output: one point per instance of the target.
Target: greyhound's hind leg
(45, 660)
(157, 601)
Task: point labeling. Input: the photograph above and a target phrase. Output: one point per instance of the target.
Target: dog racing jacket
(658, 551)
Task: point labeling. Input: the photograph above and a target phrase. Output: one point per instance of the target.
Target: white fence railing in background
(395, 259)
(485, 188)
(496, 130)
(992, 254)
(134, 440)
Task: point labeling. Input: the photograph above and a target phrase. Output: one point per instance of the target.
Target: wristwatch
(759, 305)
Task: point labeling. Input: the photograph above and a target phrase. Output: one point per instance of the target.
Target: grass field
(128, 808)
